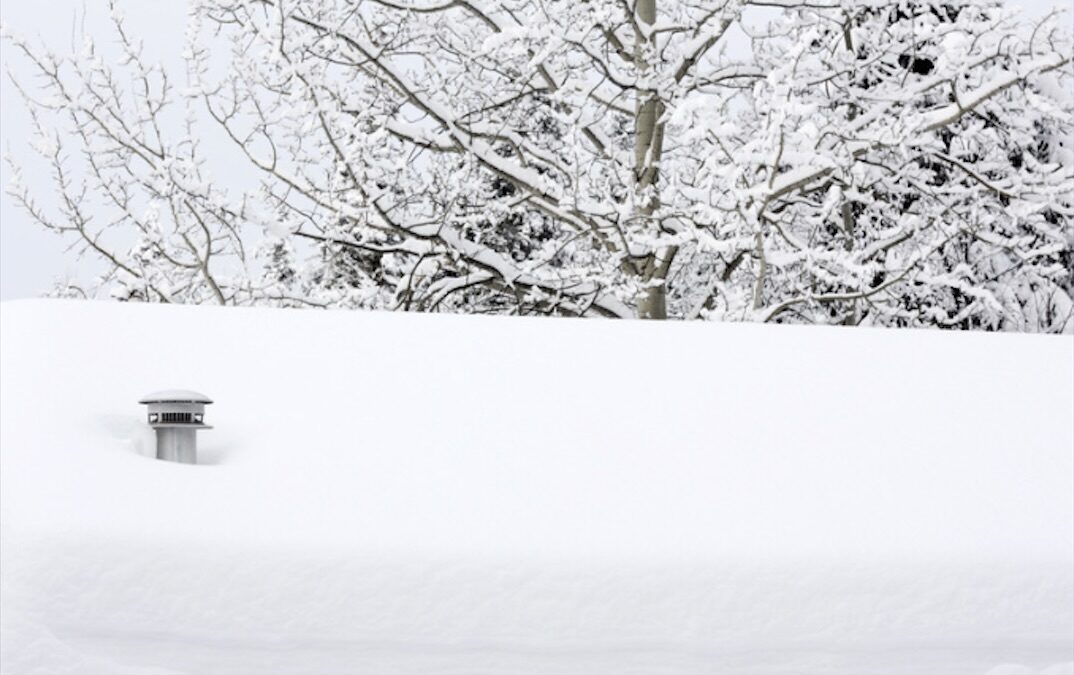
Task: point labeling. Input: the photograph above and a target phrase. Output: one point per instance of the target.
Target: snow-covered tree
(888, 162)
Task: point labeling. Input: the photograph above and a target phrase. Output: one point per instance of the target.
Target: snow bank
(421, 494)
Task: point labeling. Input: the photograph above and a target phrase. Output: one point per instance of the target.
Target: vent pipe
(177, 416)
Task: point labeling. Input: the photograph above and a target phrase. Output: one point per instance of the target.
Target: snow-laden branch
(859, 163)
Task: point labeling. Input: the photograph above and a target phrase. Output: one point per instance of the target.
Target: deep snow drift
(387, 493)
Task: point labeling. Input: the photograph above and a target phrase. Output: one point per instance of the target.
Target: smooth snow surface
(398, 494)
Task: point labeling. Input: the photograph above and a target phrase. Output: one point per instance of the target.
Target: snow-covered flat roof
(413, 493)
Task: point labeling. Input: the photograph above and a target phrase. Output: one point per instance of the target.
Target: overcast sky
(32, 259)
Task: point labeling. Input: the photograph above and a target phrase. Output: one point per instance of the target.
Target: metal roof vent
(176, 415)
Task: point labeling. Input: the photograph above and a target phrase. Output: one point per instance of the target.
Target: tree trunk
(653, 303)
(648, 147)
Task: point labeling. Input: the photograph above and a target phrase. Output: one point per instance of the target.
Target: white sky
(31, 259)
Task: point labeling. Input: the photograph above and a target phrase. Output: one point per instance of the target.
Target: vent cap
(175, 396)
